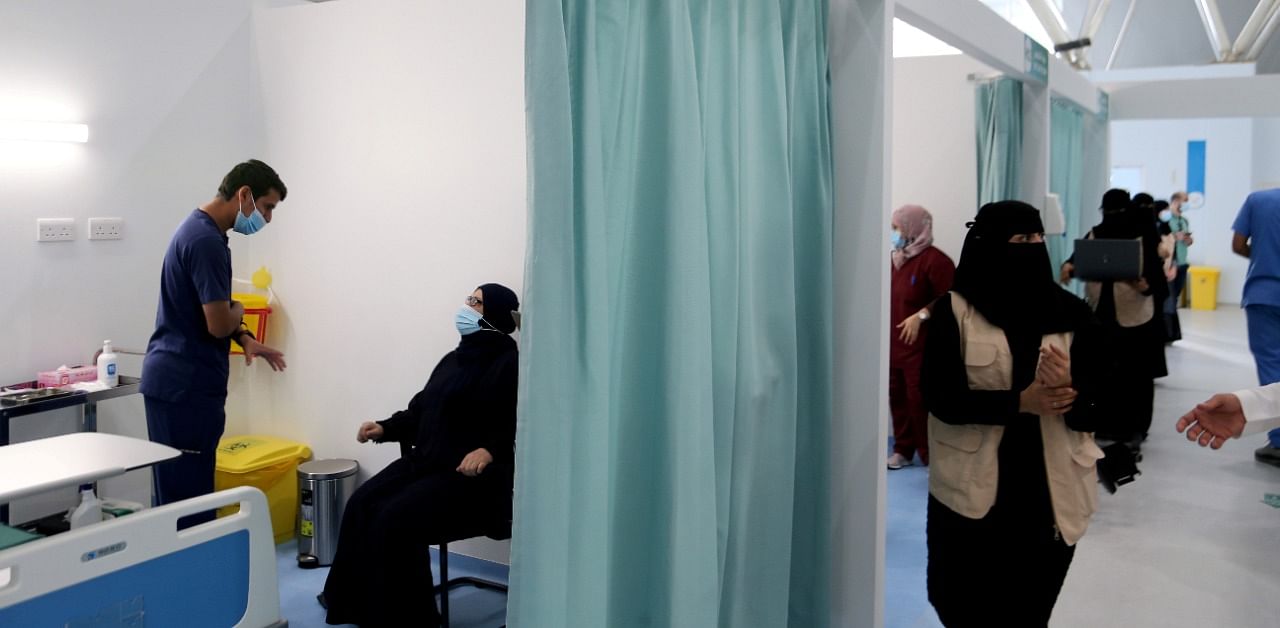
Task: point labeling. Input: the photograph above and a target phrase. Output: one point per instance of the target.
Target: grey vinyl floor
(1189, 544)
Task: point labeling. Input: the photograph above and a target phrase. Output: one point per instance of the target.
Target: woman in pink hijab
(921, 274)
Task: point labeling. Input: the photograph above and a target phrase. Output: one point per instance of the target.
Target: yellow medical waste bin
(1204, 287)
(268, 464)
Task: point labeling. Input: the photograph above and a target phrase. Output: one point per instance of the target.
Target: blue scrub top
(1259, 220)
(184, 361)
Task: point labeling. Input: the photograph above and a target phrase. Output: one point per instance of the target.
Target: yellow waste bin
(1204, 287)
(268, 464)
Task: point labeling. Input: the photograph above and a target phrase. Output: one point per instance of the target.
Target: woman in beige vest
(1010, 377)
(1130, 311)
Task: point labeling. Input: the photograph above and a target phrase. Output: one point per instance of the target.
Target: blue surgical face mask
(896, 239)
(467, 320)
(1166, 215)
(251, 224)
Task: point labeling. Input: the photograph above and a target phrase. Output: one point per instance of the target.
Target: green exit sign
(1037, 60)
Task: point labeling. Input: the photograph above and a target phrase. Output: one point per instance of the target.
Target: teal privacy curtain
(675, 389)
(1066, 174)
(999, 128)
(1096, 175)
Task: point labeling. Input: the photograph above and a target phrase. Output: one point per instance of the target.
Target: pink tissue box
(72, 375)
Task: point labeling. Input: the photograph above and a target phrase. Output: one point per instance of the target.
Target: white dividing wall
(170, 97)
(935, 161)
(860, 43)
(399, 128)
(1160, 148)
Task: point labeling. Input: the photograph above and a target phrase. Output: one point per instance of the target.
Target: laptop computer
(1108, 260)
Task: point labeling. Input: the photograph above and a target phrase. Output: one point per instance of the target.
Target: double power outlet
(64, 229)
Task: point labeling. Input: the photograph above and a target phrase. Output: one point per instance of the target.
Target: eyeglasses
(472, 301)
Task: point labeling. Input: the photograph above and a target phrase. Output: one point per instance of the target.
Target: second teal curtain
(676, 382)
(999, 128)
(1066, 174)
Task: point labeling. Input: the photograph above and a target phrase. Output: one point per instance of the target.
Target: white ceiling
(1164, 33)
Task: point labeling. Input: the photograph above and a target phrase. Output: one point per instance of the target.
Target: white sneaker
(897, 461)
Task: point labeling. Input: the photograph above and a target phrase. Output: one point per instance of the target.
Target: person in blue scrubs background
(1257, 237)
(184, 374)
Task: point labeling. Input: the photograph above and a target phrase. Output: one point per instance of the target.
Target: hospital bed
(140, 570)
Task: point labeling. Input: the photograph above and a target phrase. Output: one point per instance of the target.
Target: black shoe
(1117, 467)
(1135, 448)
(323, 602)
(1267, 454)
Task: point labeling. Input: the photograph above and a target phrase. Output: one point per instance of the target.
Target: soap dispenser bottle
(108, 365)
(89, 511)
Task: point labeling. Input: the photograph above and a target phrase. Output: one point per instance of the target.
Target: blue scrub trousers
(195, 429)
(1264, 343)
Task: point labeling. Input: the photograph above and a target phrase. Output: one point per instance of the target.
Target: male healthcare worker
(184, 376)
(1257, 237)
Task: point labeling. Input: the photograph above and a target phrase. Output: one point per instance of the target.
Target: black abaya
(381, 573)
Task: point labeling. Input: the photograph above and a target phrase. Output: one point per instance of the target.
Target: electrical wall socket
(106, 228)
(55, 229)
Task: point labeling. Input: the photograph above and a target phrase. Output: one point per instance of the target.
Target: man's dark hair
(260, 178)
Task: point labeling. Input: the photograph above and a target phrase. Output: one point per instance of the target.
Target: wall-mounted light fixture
(30, 131)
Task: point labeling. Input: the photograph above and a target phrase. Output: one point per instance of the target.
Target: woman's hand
(1054, 370)
(1140, 285)
(910, 327)
(1068, 269)
(475, 462)
(1046, 401)
(369, 431)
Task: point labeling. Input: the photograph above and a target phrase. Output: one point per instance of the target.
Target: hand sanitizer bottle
(107, 366)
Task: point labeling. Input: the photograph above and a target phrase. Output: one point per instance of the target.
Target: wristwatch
(923, 314)
(239, 334)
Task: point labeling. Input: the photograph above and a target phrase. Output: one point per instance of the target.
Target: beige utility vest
(963, 459)
(1132, 307)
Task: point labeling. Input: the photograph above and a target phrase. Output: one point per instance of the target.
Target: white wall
(399, 128)
(1266, 153)
(170, 97)
(935, 162)
(1160, 147)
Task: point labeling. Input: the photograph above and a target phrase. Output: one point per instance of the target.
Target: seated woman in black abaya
(456, 484)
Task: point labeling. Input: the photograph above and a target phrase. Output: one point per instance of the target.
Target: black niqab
(1012, 284)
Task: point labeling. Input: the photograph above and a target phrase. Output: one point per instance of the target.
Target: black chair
(500, 531)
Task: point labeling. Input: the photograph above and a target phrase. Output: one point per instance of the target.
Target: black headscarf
(1122, 217)
(1012, 285)
(499, 303)
(478, 349)
(1115, 200)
